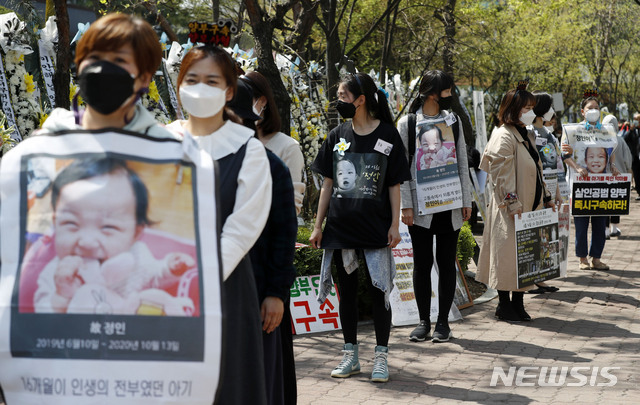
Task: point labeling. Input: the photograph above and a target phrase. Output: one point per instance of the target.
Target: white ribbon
(172, 90)
(49, 36)
(48, 70)
(6, 104)
(13, 34)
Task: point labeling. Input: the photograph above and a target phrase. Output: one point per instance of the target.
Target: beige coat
(510, 169)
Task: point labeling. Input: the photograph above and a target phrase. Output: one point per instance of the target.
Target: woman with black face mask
(363, 164)
(116, 59)
(430, 110)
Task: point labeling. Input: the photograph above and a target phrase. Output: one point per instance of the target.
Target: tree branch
(366, 36)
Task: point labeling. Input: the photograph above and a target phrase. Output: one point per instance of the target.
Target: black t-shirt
(359, 214)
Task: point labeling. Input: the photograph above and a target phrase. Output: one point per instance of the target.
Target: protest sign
(537, 246)
(109, 254)
(438, 185)
(307, 314)
(600, 195)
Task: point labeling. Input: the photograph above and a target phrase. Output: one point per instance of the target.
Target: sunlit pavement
(590, 324)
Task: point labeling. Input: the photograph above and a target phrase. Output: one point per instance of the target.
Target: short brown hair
(271, 122)
(512, 103)
(113, 31)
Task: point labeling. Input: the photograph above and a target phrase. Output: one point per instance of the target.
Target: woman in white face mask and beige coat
(206, 82)
(516, 186)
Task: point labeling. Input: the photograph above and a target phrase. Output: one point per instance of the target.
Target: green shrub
(466, 245)
(307, 259)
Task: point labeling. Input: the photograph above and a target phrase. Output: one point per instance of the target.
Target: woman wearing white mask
(206, 82)
(515, 180)
(590, 110)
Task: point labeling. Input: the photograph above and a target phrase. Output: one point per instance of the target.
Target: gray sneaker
(380, 370)
(420, 333)
(349, 364)
(442, 333)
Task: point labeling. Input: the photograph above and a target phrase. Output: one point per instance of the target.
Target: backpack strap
(411, 126)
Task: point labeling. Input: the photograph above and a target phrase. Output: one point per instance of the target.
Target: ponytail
(375, 99)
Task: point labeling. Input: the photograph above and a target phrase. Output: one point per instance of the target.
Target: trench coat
(510, 169)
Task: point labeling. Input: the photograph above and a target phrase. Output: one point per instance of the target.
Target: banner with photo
(537, 246)
(109, 254)
(600, 195)
(404, 310)
(552, 168)
(564, 221)
(437, 181)
(592, 147)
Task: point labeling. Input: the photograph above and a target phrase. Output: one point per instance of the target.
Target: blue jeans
(598, 226)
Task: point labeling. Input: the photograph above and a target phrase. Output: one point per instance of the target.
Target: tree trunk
(61, 76)
(215, 5)
(333, 55)
(304, 16)
(164, 24)
(448, 18)
(263, 33)
(388, 40)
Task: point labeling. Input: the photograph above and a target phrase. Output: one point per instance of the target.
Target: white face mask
(548, 115)
(255, 110)
(202, 100)
(528, 117)
(549, 129)
(592, 115)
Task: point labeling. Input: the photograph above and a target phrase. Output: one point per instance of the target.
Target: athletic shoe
(442, 333)
(380, 371)
(349, 364)
(420, 333)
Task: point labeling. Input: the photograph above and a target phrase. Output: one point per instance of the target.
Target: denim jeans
(598, 226)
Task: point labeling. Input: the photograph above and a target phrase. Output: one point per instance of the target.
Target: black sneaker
(442, 333)
(420, 333)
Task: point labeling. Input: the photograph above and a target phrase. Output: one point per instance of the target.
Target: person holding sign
(589, 148)
(206, 82)
(549, 151)
(516, 185)
(363, 222)
(422, 132)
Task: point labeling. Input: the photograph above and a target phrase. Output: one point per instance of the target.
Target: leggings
(348, 288)
(446, 242)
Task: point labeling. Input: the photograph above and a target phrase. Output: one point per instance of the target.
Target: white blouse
(253, 195)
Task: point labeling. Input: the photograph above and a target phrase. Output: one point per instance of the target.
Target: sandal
(585, 266)
(599, 266)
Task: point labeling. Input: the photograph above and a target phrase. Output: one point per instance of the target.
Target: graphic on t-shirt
(549, 157)
(358, 175)
(438, 185)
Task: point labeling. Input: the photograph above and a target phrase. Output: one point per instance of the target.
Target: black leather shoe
(519, 310)
(506, 313)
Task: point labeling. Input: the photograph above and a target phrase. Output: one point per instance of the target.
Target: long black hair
(433, 82)
(375, 99)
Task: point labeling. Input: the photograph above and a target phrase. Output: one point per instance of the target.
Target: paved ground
(592, 322)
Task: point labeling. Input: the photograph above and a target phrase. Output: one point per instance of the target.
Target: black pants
(288, 361)
(635, 169)
(348, 289)
(446, 243)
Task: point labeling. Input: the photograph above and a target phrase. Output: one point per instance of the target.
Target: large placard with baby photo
(438, 185)
(109, 254)
(592, 145)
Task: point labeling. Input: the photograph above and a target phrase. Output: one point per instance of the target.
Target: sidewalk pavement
(592, 322)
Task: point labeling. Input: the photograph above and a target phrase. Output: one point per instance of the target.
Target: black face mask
(445, 102)
(105, 86)
(346, 110)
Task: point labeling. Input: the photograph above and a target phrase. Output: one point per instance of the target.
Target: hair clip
(522, 84)
(591, 93)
